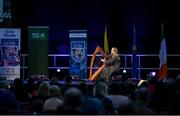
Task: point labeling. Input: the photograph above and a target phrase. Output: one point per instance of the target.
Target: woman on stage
(112, 64)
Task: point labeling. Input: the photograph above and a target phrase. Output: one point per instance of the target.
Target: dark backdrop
(93, 15)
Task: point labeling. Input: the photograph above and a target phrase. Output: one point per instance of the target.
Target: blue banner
(134, 56)
(78, 53)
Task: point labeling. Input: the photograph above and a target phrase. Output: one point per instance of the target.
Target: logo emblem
(77, 50)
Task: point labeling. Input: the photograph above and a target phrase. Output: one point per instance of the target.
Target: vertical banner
(134, 56)
(38, 50)
(1, 10)
(78, 53)
(5, 12)
(9, 53)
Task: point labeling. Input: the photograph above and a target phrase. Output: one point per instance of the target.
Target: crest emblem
(77, 50)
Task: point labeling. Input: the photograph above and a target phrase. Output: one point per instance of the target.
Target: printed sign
(9, 53)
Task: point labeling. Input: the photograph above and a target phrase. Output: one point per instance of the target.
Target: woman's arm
(112, 60)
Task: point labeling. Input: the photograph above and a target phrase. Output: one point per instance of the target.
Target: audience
(121, 97)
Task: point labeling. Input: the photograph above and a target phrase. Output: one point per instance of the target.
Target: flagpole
(134, 29)
(162, 27)
(106, 46)
(134, 55)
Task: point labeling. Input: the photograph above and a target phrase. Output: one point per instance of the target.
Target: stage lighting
(58, 70)
(141, 81)
(153, 74)
(124, 71)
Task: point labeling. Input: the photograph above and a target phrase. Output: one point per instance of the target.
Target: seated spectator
(67, 84)
(43, 91)
(73, 102)
(175, 103)
(55, 81)
(141, 104)
(120, 102)
(92, 106)
(131, 88)
(101, 91)
(4, 111)
(7, 98)
(177, 83)
(54, 101)
(20, 90)
(37, 107)
(30, 86)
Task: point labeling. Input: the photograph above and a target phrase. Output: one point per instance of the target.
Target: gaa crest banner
(78, 53)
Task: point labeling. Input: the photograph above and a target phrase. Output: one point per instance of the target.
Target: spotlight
(141, 81)
(124, 71)
(58, 70)
(153, 74)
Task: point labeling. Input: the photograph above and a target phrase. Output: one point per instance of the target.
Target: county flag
(106, 46)
(134, 55)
